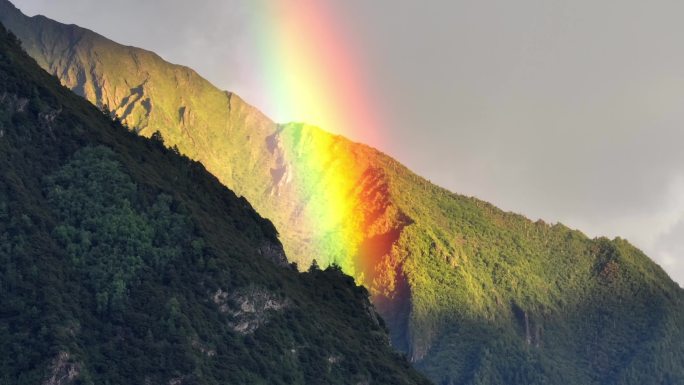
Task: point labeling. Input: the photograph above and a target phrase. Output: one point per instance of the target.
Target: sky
(570, 111)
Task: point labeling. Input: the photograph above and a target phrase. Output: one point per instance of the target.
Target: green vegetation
(103, 234)
(123, 262)
(471, 294)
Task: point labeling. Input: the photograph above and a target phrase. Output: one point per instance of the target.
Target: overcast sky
(571, 111)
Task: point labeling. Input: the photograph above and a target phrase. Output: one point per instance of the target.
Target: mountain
(123, 262)
(472, 294)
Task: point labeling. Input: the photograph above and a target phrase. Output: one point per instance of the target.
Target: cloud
(660, 233)
(666, 244)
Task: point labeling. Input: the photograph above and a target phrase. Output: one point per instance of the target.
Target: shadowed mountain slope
(472, 294)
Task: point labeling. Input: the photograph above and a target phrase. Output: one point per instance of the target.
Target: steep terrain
(123, 262)
(472, 294)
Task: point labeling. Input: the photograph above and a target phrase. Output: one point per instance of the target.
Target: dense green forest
(472, 294)
(123, 262)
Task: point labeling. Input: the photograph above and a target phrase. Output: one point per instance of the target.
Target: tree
(157, 138)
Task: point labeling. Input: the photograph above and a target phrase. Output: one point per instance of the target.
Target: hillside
(123, 262)
(472, 294)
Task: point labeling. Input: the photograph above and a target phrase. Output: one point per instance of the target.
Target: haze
(567, 111)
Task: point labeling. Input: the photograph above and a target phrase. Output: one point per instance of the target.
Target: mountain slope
(472, 294)
(123, 262)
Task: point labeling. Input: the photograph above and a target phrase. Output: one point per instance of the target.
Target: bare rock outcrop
(249, 308)
(64, 370)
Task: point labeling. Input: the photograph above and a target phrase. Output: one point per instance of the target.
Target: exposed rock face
(64, 370)
(248, 309)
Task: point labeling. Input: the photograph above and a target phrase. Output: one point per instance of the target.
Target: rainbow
(311, 71)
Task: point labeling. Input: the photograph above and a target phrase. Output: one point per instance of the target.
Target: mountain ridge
(453, 276)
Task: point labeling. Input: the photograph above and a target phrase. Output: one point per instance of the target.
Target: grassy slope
(470, 292)
(115, 252)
